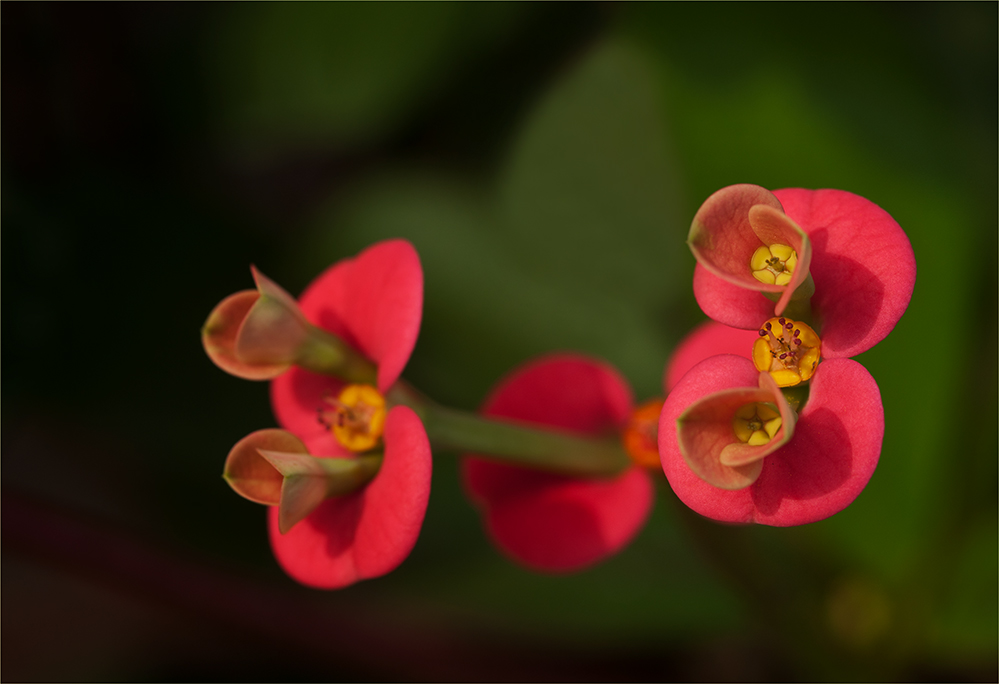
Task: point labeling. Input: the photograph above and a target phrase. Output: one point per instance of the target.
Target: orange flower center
(788, 350)
(356, 417)
(641, 434)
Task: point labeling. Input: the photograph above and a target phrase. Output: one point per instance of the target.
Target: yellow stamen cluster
(756, 423)
(773, 265)
(357, 417)
(788, 350)
(641, 434)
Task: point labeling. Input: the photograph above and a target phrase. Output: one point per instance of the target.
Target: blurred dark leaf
(337, 75)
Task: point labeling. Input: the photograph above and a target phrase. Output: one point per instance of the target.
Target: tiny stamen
(789, 353)
(356, 417)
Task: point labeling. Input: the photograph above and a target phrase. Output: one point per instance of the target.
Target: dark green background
(546, 161)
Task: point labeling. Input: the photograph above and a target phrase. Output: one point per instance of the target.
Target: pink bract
(819, 472)
(374, 303)
(732, 224)
(705, 435)
(862, 265)
(551, 522)
(370, 532)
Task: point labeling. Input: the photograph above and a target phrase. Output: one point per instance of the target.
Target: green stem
(346, 475)
(452, 430)
(518, 443)
(800, 306)
(326, 354)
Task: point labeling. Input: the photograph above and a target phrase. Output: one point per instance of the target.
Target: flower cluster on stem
(766, 418)
(347, 477)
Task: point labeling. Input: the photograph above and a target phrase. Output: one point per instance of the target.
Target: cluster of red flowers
(348, 477)
(864, 271)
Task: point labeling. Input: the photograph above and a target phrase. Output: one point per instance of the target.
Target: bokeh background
(546, 161)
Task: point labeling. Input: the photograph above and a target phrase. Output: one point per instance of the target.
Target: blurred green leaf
(967, 623)
(588, 188)
(588, 202)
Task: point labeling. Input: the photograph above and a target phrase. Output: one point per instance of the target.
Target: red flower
(861, 261)
(552, 522)
(373, 302)
(815, 473)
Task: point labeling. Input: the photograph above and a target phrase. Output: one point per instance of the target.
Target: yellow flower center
(356, 417)
(773, 265)
(756, 423)
(641, 434)
(788, 350)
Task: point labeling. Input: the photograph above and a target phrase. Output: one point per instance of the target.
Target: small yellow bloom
(756, 423)
(774, 265)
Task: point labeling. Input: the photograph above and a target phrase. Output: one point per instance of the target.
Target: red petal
(730, 304)
(553, 522)
(368, 533)
(708, 339)
(374, 302)
(296, 397)
(709, 376)
(862, 263)
(565, 390)
(833, 453)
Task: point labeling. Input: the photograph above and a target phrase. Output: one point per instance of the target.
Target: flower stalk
(326, 354)
(514, 443)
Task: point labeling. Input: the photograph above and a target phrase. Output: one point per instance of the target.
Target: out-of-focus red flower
(373, 303)
(816, 473)
(860, 260)
(552, 522)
